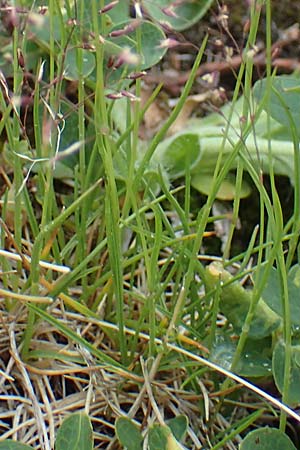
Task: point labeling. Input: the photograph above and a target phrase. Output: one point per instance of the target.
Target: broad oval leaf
(178, 425)
(71, 70)
(254, 362)
(128, 434)
(278, 371)
(178, 153)
(178, 17)
(267, 439)
(119, 12)
(151, 38)
(158, 437)
(9, 444)
(161, 438)
(284, 98)
(40, 29)
(203, 182)
(75, 433)
(272, 293)
(293, 289)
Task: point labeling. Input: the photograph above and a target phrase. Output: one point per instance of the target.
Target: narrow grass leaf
(74, 337)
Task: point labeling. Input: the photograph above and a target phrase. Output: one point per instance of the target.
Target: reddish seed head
(166, 26)
(126, 30)
(72, 22)
(119, 62)
(133, 25)
(108, 7)
(21, 60)
(127, 57)
(129, 95)
(42, 10)
(169, 43)
(117, 33)
(169, 11)
(88, 46)
(110, 62)
(275, 53)
(116, 96)
(136, 75)
(10, 18)
(247, 26)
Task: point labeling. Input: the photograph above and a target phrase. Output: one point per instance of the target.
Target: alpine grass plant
(114, 317)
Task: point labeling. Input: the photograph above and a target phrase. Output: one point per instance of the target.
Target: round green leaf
(256, 358)
(272, 293)
(71, 70)
(161, 438)
(294, 286)
(278, 371)
(178, 153)
(179, 17)
(40, 29)
(254, 362)
(151, 38)
(119, 12)
(75, 433)
(38, 39)
(9, 444)
(178, 425)
(284, 98)
(203, 182)
(158, 437)
(128, 434)
(267, 439)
